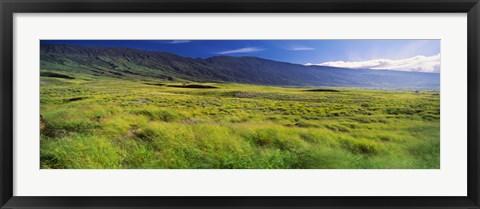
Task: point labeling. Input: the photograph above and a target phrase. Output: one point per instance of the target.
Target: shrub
(338, 128)
(363, 146)
(305, 124)
(63, 128)
(160, 114)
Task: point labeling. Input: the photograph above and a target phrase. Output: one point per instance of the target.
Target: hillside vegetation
(134, 64)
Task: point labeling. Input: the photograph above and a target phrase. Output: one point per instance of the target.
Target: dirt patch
(155, 84)
(193, 86)
(75, 99)
(55, 75)
(322, 90)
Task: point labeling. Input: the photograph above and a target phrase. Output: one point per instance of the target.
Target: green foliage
(79, 151)
(363, 146)
(132, 124)
(160, 114)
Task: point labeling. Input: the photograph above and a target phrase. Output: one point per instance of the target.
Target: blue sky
(406, 55)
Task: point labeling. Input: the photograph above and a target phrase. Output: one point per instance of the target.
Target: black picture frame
(9, 7)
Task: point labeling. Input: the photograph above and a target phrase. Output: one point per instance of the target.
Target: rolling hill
(125, 63)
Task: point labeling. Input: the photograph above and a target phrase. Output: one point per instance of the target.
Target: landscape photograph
(239, 104)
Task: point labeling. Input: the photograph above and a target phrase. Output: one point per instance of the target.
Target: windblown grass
(108, 123)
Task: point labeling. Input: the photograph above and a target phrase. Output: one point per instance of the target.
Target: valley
(104, 108)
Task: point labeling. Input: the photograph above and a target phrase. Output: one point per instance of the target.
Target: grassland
(92, 123)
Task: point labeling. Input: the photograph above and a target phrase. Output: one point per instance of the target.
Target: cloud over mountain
(179, 41)
(420, 63)
(302, 49)
(242, 50)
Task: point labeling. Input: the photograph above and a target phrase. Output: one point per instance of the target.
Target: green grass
(99, 122)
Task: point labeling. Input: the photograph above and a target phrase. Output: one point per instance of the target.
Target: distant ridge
(127, 63)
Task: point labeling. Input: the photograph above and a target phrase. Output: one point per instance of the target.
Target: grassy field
(111, 123)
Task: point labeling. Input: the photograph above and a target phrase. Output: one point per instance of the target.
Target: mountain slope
(129, 63)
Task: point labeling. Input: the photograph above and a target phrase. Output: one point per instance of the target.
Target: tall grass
(109, 123)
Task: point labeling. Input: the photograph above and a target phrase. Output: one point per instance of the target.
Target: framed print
(238, 104)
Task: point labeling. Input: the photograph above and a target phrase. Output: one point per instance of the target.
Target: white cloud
(418, 63)
(242, 50)
(179, 41)
(302, 49)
